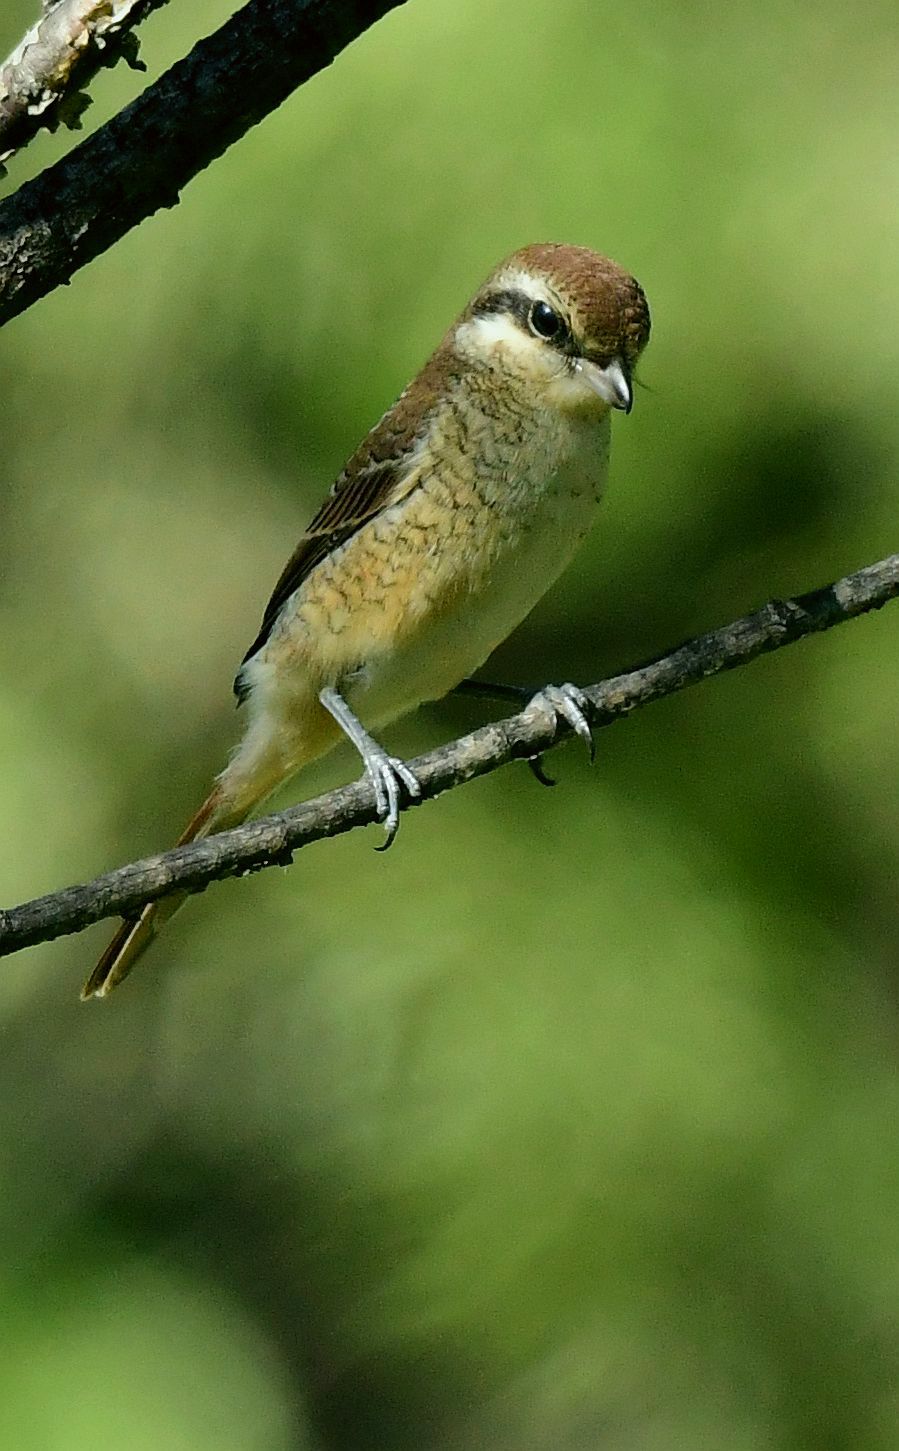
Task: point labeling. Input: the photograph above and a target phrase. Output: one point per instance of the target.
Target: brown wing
(380, 473)
(355, 498)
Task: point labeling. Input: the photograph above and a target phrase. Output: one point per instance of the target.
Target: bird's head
(564, 322)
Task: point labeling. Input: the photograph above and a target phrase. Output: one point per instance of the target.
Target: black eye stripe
(519, 305)
(508, 300)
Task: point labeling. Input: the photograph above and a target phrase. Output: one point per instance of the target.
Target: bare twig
(141, 159)
(42, 84)
(273, 840)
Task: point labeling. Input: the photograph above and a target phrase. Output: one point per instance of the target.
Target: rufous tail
(137, 933)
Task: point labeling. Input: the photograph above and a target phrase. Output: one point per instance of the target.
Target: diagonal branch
(42, 83)
(273, 840)
(142, 159)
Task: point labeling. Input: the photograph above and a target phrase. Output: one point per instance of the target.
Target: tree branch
(42, 84)
(141, 159)
(272, 840)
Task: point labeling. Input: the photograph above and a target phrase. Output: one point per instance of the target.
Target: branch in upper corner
(142, 159)
(42, 84)
(273, 840)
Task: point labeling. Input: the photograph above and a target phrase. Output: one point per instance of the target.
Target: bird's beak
(611, 382)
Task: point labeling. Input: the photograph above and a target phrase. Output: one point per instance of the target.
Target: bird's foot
(562, 700)
(570, 704)
(391, 779)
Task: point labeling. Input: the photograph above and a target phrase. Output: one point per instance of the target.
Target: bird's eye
(545, 321)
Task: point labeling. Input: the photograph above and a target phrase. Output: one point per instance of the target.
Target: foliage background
(572, 1122)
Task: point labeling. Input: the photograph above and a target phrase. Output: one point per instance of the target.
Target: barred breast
(463, 563)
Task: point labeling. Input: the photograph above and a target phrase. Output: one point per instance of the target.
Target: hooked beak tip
(611, 383)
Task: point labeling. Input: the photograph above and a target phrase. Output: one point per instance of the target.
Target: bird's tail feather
(137, 933)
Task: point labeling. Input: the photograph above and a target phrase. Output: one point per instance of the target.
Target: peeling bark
(42, 84)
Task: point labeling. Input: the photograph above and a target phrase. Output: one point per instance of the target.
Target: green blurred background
(571, 1123)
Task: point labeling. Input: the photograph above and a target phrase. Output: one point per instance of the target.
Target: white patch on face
(497, 336)
(481, 338)
(534, 287)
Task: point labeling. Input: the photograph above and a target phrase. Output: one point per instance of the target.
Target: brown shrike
(450, 521)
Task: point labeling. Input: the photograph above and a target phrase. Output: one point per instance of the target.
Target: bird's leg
(388, 775)
(489, 690)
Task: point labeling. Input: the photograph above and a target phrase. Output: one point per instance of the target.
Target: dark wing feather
(353, 500)
(380, 473)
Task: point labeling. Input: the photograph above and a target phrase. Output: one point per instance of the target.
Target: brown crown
(608, 306)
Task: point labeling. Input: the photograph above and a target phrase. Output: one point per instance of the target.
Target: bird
(456, 513)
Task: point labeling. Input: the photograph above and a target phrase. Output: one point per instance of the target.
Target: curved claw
(573, 706)
(391, 778)
(535, 764)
